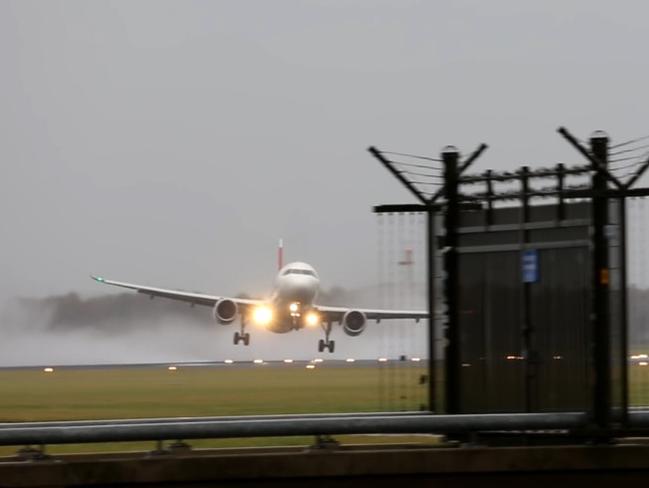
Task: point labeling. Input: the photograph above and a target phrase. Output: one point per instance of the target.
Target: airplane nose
(301, 290)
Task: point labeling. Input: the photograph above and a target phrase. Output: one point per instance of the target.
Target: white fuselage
(296, 288)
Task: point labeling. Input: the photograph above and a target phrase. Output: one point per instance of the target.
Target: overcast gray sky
(172, 143)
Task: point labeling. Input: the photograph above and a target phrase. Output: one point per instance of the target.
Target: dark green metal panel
(510, 363)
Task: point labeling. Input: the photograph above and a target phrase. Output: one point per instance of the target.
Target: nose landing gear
(242, 336)
(326, 343)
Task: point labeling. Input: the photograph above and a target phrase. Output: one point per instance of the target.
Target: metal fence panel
(501, 370)
(503, 332)
(561, 316)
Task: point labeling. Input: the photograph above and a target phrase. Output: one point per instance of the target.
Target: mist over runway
(130, 328)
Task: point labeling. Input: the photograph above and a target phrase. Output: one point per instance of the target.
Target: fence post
(432, 353)
(450, 158)
(624, 317)
(601, 316)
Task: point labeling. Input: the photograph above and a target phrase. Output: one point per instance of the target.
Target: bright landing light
(172, 368)
(48, 370)
(262, 315)
(312, 319)
(293, 307)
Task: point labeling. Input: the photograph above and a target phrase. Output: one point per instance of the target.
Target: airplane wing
(183, 296)
(335, 314)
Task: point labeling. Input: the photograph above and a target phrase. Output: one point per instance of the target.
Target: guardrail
(118, 430)
(64, 433)
(167, 420)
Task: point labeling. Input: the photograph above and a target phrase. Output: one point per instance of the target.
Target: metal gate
(524, 310)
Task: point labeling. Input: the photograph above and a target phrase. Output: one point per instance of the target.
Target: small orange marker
(603, 276)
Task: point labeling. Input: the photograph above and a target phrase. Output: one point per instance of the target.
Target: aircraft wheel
(246, 339)
(237, 338)
(332, 346)
(321, 345)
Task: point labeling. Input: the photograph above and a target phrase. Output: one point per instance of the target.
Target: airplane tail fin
(280, 254)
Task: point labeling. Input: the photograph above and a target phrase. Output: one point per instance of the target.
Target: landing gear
(242, 336)
(326, 343)
(322, 345)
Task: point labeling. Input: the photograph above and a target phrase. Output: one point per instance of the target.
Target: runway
(224, 363)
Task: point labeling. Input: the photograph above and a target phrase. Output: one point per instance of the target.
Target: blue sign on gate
(530, 266)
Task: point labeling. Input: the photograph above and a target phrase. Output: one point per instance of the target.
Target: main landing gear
(326, 343)
(242, 336)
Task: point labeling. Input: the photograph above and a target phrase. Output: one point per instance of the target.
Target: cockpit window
(299, 271)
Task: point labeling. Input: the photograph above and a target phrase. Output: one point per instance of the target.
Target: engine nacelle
(225, 311)
(354, 322)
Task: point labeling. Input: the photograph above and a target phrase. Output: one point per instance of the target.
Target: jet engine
(225, 311)
(354, 322)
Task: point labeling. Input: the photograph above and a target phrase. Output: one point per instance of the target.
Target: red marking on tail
(280, 255)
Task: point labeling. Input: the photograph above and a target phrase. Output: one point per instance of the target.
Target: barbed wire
(621, 160)
(408, 155)
(626, 166)
(429, 183)
(627, 151)
(415, 165)
(631, 141)
(516, 194)
(630, 174)
(425, 175)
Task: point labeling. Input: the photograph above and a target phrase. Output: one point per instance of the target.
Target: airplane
(291, 306)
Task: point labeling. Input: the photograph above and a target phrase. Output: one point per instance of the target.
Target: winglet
(97, 278)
